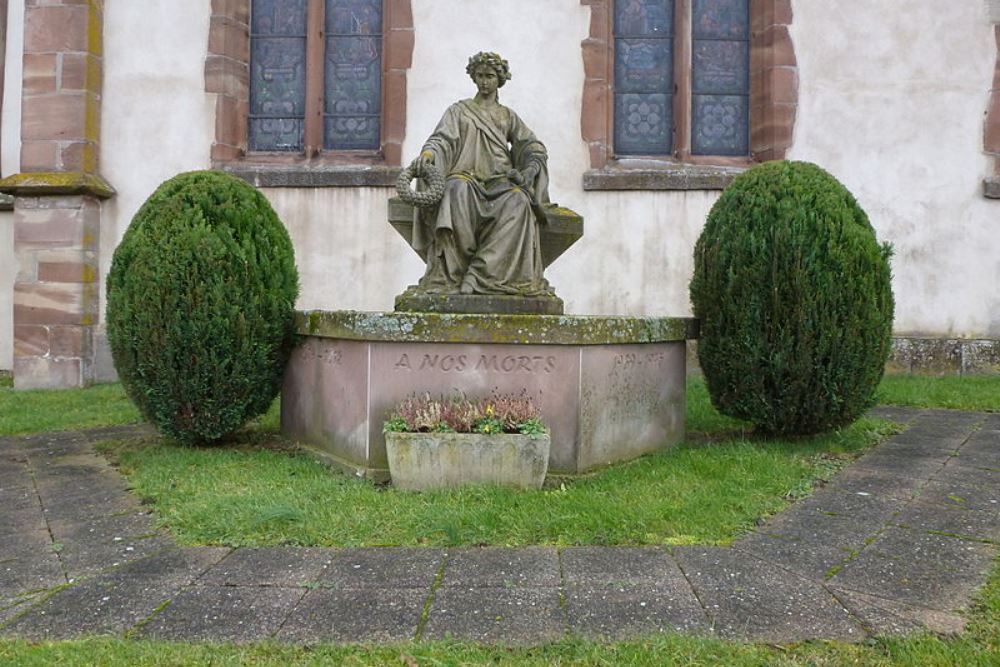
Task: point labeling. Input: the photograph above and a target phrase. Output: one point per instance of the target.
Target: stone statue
(482, 237)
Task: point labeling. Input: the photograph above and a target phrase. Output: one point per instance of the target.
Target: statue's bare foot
(466, 288)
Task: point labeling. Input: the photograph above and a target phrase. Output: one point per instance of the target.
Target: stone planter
(419, 461)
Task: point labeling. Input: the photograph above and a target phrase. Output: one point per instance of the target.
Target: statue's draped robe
(484, 232)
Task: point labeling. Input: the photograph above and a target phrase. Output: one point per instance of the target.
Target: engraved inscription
(458, 363)
(630, 359)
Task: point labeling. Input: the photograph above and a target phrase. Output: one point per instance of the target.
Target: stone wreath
(433, 179)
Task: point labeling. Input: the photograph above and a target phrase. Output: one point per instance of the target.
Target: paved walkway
(897, 542)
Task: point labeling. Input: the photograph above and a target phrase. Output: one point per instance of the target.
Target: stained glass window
(710, 93)
(644, 76)
(351, 72)
(277, 75)
(720, 77)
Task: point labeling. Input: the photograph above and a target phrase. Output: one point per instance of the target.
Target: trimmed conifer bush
(201, 297)
(795, 301)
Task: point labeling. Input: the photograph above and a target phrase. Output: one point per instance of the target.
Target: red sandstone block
(991, 139)
(59, 117)
(399, 49)
(54, 29)
(80, 71)
(67, 272)
(229, 38)
(31, 340)
(79, 156)
(235, 10)
(231, 120)
(39, 73)
(594, 112)
(598, 154)
(773, 48)
(54, 227)
(227, 77)
(226, 153)
(399, 14)
(39, 156)
(48, 373)
(596, 59)
(55, 303)
(600, 19)
(70, 341)
(394, 114)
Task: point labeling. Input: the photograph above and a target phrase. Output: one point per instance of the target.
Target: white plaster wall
(10, 163)
(348, 256)
(891, 101)
(156, 118)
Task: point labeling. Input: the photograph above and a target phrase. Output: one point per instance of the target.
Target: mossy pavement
(898, 542)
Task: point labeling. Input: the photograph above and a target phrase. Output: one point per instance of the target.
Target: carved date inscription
(460, 363)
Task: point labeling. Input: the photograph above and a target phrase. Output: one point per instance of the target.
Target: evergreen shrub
(795, 301)
(201, 297)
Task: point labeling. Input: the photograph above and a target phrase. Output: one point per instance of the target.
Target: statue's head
(494, 61)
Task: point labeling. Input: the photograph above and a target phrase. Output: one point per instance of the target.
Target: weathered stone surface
(601, 402)
(223, 613)
(273, 566)
(497, 567)
(421, 461)
(635, 175)
(383, 568)
(620, 592)
(356, 615)
(981, 357)
(496, 615)
(116, 601)
(493, 328)
(411, 302)
(748, 598)
(937, 571)
(29, 563)
(273, 176)
(889, 617)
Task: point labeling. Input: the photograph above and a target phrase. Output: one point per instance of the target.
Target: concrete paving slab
(288, 567)
(80, 502)
(874, 483)
(384, 567)
(12, 607)
(28, 562)
(624, 610)
(114, 602)
(959, 494)
(498, 567)
(812, 548)
(355, 615)
(881, 617)
(14, 522)
(614, 565)
(969, 475)
(92, 545)
(894, 413)
(919, 568)
(496, 615)
(747, 598)
(959, 521)
(238, 614)
(844, 500)
(918, 465)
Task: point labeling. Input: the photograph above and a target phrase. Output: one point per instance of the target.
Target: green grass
(978, 647)
(979, 393)
(708, 490)
(39, 411)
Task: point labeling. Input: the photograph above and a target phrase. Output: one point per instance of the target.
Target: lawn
(259, 489)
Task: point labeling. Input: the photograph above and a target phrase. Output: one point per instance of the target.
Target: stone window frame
(991, 124)
(774, 86)
(227, 74)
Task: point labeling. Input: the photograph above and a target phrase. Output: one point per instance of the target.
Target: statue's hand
(425, 160)
(515, 177)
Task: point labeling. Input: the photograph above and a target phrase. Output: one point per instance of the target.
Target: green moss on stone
(494, 328)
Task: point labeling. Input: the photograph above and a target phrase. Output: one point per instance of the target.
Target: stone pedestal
(609, 388)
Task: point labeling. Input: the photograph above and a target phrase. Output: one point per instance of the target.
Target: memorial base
(609, 388)
(412, 301)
